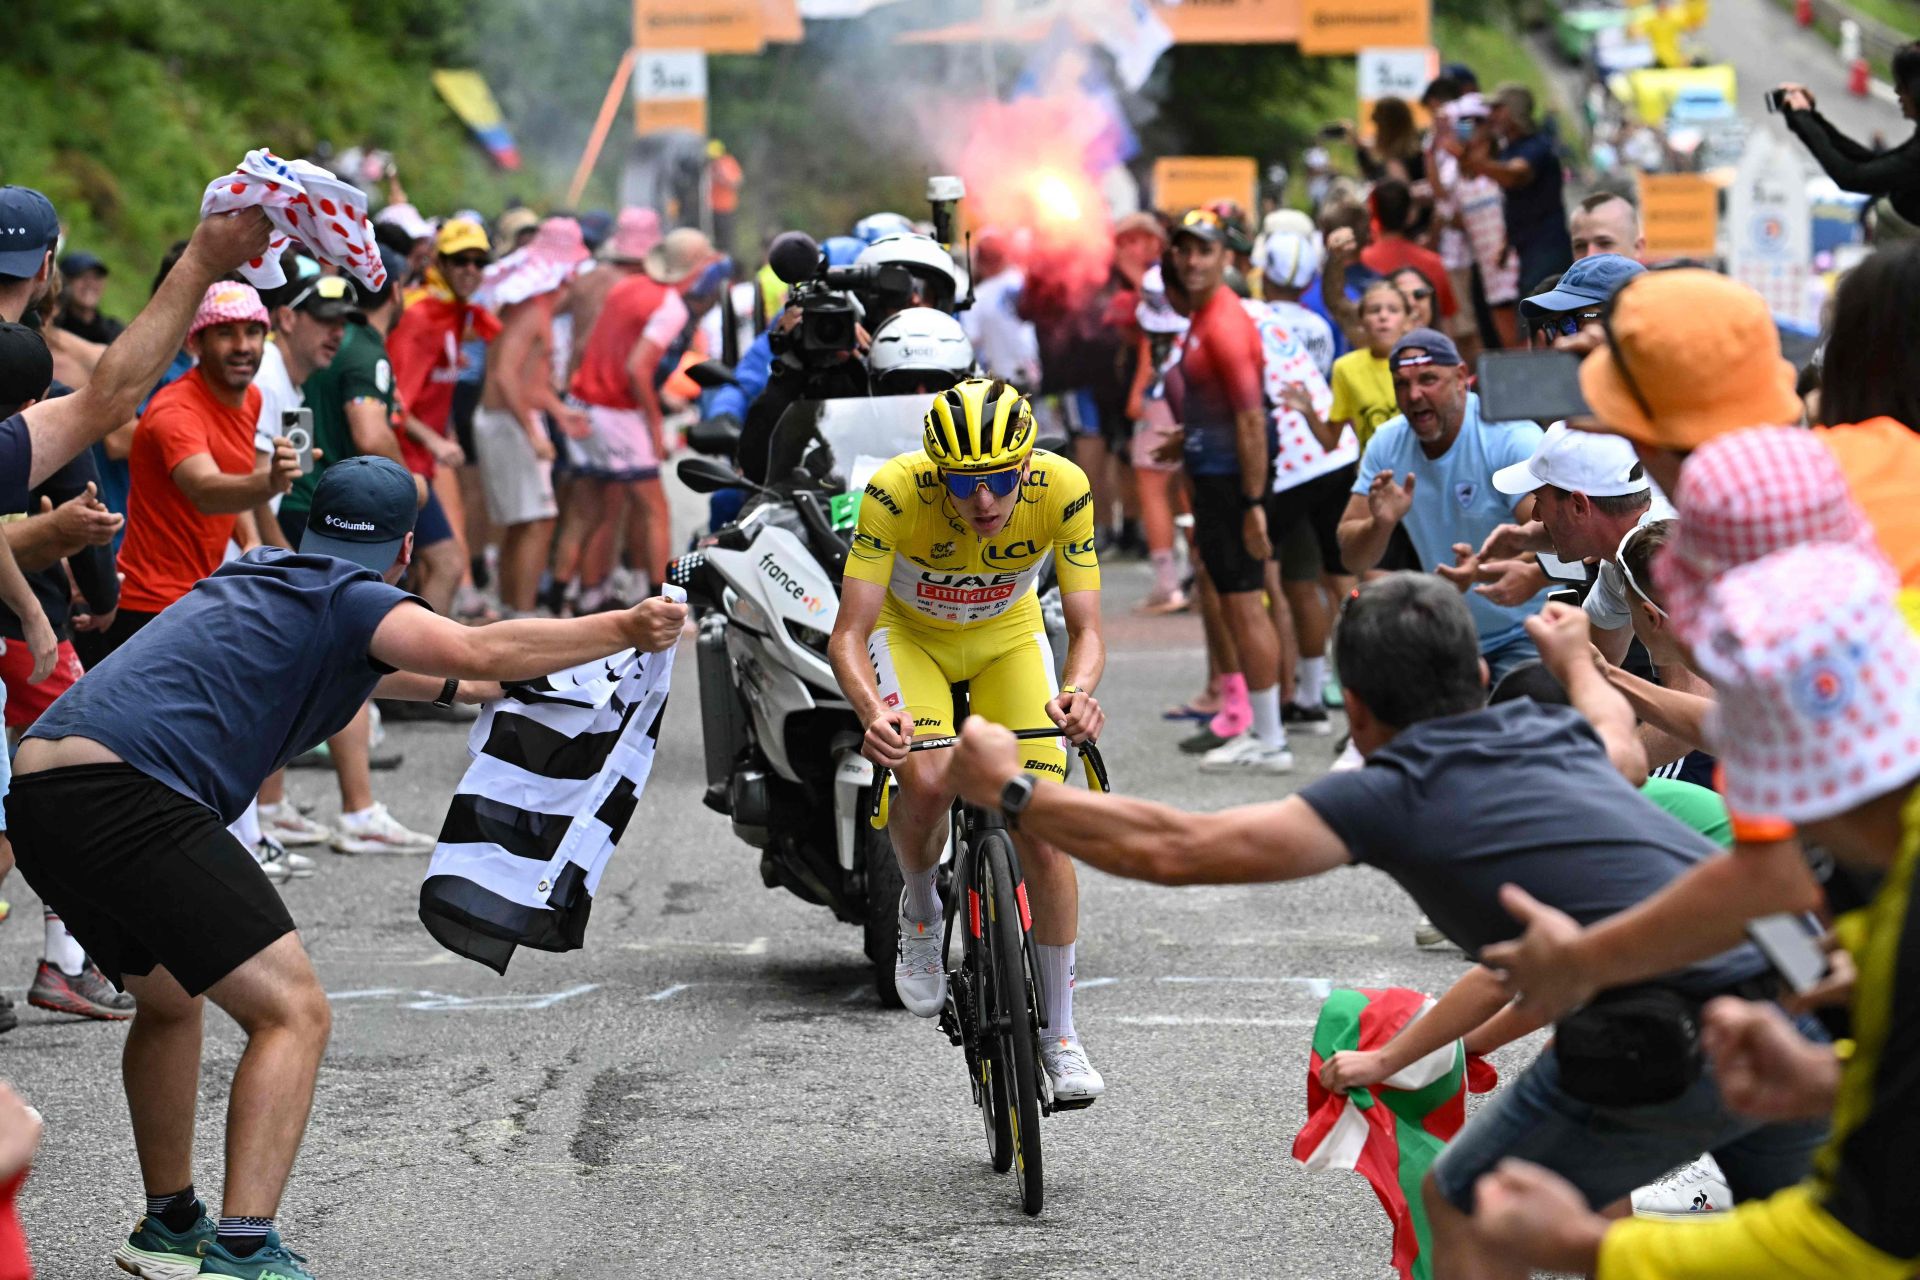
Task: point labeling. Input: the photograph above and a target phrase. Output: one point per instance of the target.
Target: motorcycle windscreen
(826, 439)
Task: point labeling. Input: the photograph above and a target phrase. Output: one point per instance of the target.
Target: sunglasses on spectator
(1202, 218)
(1568, 323)
(1420, 295)
(961, 484)
(475, 260)
(329, 288)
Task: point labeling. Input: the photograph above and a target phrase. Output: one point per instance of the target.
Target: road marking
(1203, 1020)
(1319, 988)
(668, 993)
(442, 1002)
(1091, 983)
(758, 947)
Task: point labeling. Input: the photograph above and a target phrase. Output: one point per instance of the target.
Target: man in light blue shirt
(1432, 469)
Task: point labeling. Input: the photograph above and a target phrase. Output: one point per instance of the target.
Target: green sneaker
(155, 1253)
(271, 1261)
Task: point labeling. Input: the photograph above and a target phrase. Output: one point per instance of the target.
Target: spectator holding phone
(1892, 176)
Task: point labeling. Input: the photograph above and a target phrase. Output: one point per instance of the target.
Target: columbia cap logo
(357, 526)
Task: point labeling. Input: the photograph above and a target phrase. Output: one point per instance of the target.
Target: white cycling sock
(1056, 977)
(1266, 715)
(64, 952)
(1311, 681)
(923, 898)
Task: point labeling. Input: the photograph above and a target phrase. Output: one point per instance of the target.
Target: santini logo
(358, 526)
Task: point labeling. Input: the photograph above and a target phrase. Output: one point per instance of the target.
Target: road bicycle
(996, 1006)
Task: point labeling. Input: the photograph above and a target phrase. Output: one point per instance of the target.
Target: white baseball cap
(1579, 462)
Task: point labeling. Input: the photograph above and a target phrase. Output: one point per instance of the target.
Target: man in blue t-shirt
(123, 790)
(1528, 171)
(1431, 469)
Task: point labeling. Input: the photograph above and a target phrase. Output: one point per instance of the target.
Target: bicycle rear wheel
(1017, 1044)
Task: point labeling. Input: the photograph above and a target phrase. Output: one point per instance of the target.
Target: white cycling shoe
(920, 970)
(1075, 1082)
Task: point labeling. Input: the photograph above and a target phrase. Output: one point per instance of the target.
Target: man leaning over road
(126, 784)
(1468, 777)
(1431, 469)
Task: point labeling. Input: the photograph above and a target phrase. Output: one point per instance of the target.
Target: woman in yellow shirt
(1362, 384)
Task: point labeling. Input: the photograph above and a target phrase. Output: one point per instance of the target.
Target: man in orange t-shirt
(193, 465)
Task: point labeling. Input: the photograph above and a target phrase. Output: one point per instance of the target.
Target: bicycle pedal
(1074, 1104)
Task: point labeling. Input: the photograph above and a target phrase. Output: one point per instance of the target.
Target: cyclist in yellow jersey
(940, 587)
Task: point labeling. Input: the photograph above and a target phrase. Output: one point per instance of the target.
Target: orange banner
(1348, 26)
(713, 26)
(1680, 215)
(1186, 182)
(672, 113)
(1231, 21)
(780, 22)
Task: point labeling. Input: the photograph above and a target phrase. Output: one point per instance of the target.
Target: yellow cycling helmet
(982, 424)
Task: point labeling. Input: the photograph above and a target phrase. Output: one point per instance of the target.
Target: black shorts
(1305, 519)
(466, 398)
(141, 874)
(1400, 553)
(1219, 523)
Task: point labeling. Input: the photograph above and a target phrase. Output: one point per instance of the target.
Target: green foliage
(123, 110)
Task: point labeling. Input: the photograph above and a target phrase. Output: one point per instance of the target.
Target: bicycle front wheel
(1017, 1043)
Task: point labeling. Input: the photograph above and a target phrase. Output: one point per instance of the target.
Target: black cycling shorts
(1219, 522)
(141, 874)
(1304, 525)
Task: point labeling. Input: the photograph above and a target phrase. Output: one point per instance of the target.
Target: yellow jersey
(912, 541)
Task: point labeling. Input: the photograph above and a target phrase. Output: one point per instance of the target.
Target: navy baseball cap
(79, 262)
(28, 228)
(1587, 283)
(363, 509)
(1424, 346)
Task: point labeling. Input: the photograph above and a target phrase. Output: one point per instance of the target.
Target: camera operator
(821, 341)
(1893, 176)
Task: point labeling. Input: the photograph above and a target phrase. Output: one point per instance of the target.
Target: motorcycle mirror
(704, 475)
(711, 375)
(1054, 444)
(794, 257)
(716, 437)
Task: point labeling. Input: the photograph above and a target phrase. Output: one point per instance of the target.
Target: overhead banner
(1231, 21)
(1187, 182)
(1679, 214)
(1348, 26)
(670, 91)
(780, 22)
(711, 26)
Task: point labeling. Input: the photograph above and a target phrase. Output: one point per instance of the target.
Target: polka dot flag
(305, 203)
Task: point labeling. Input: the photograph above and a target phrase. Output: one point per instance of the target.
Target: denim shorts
(1609, 1151)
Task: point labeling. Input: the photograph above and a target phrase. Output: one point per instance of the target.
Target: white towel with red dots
(305, 203)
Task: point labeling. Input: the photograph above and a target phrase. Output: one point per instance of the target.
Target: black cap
(28, 228)
(325, 298)
(363, 509)
(26, 367)
(1201, 224)
(79, 262)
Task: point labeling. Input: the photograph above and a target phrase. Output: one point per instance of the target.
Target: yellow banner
(671, 113)
(1348, 26)
(1186, 182)
(712, 26)
(1231, 21)
(1679, 214)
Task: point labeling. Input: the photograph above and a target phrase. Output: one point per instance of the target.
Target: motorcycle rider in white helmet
(919, 351)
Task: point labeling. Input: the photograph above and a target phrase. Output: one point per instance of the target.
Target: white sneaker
(1247, 754)
(379, 833)
(1691, 1189)
(272, 859)
(1348, 758)
(292, 828)
(920, 972)
(1075, 1082)
(1427, 934)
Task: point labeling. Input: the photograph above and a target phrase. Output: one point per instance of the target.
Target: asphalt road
(1766, 46)
(709, 1088)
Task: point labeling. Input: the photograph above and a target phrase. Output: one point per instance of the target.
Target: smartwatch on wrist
(1014, 798)
(448, 691)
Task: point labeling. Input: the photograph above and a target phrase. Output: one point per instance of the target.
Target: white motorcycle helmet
(876, 225)
(919, 351)
(931, 265)
(1153, 312)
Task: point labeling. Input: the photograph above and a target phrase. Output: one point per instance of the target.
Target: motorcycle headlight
(811, 637)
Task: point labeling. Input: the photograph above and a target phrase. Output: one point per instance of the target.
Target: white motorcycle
(782, 744)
